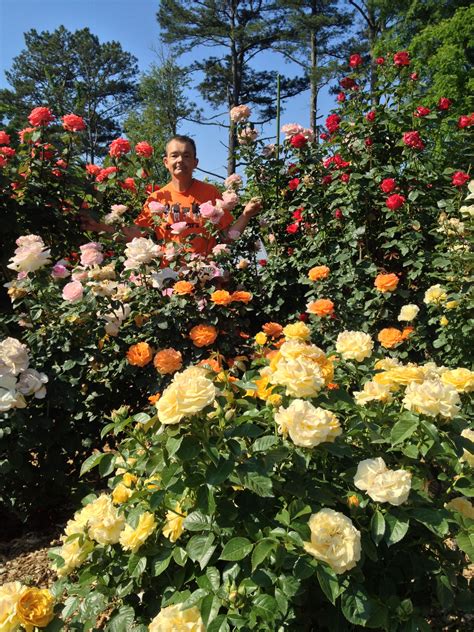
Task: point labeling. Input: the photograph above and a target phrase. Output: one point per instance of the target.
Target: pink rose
(230, 199)
(91, 254)
(355, 60)
(40, 116)
(178, 227)
(73, 292)
(59, 271)
(156, 207)
(233, 181)
(239, 113)
(210, 212)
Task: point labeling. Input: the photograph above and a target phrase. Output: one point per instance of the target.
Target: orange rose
(221, 297)
(140, 354)
(203, 335)
(274, 330)
(168, 361)
(242, 297)
(407, 332)
(212, 364)
(321, 307)
(183, 287)
(390, 337)
(386, 282)
(154, 398)
(319, 272)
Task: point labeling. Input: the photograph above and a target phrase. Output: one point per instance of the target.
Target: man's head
(180, 159)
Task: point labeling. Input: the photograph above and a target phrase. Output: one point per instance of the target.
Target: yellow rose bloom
(432, 398)
(74, 553)
(372, 392)
(35, 608)
(443, 321)
(467, 456)
(131, 538)
(461, 379)
(260, 338)
(129, 479)
(354, 345)
(408, 312)
(382, 484)
(174, 528)
(104, 523)
(10, 594)
(307, 426)
(297, 331)
(386, 363)
(462, 505)
(334, 540)
(301, 377)
(400, 376)
(452, 304)
(121, 494)
(434, 294)
(189, 392)
(174, 619)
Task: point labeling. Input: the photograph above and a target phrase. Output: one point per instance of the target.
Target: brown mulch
(26, 560)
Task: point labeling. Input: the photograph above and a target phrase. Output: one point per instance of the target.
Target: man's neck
(182, 185)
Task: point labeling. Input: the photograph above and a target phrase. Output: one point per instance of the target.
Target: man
(181, 198)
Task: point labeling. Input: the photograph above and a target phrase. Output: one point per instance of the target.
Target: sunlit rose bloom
(240, 296)
(183, 287)
(334, 540)
(354, 345)
(434, 294)
(35, 608)
(291, 129)
(73, 292)
(91, 254)
(221, 297)
(73, 123)
(102, 520)
(32, 382)
(390, 337)
(178, 227)
(387, 363)
(156, 207)
(210, 212)
(140, 354)
(461, 505)
(432, 398)
(239, 113)
(203, 335)
(31, 254)
(372, 392)
(10, 593)
(40, 116)
(382, 484)
(297, 331)
(274, 330)
(408, 312)
(318, 273)
(400, 376)
(229, 201)
(467, 456)
(9, 396)
(189, 393)
(131, 538)
(320, 307)
(59, 271)
(121, 493)
(74, 553)
(115, 319)
(140, 251)
(300, 377)
(247, 136)
(4, 138)
(14, 357)
(386, 282)
(144, 149)
(168, 361)
(220, 249)
(174, 525)
(176, 619)
(119, 147)
(234, 181)
(461, 379)
(307, 426)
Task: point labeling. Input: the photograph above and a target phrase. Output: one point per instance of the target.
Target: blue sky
(133, 24)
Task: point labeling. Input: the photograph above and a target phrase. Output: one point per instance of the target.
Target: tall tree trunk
(314, 84)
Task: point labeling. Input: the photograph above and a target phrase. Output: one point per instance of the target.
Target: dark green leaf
(329, 583)
(261, 551)
(377, 526)
(236, 549)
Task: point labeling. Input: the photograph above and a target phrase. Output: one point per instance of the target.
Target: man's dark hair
(183, 139)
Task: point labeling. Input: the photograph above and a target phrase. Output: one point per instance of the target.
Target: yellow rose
(381, 484)
(400, 376)
(121, 494)
(297, 331)
(129, 479)
(334, 540)
(354, 345)
(432, 398)
(408, 312)
(260, 338)
(371, 392)
(434, 294)
(195, 390)
(74, 553)
(452, 304)
(301, 377)
(274, 400)
(35, 608)
(386, 363)
(174, 619)
(461, 379)
(10, 594)
(104, 523)
(132, 539)
(467, 456)
(461, 505)
(443, 321)
(167, 406)
(307, 426)
(174, 523)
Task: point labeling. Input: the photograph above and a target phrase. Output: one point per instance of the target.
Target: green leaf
(432, 519)
(444, 592)
(197, 596)
(210, 607)
(136, 565)
(395, 528)
(106, 464)
(219, 624)
(329, 583)
(141, 418)
(236, 549)
(356, 605)
(261, 485)
(161, 562)
(92, 461)
(216, 475)
(265, 606)
(377, 526)
(262, 444)
(261, 551)
(403, 429)
(303, 568)
(123, 620)
(247, 431)
(200, 548)
(465, 542)
(197, 521)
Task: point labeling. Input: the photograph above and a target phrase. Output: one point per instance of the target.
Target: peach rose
(386, 282)
(183, 287)
(242, 297)
(140, 354)
(274, 330)
(221, 297)
(319, 272)
(390, 337)
(203, 335)
(168, 361)
(321, 307)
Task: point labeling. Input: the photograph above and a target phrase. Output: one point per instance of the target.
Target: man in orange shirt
(178, 217)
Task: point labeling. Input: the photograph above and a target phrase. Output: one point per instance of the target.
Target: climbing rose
(355, 60)
(119, 147)
(144, 149)
(239, 113)
(298, 141)
(421, 111)
(444, 103)
(4, 138)
(73, 123)
(401, 58)
(40, 116)
(388, 185)
(412, 139)
(332, 123)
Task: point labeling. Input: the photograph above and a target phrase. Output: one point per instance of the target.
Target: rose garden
(236, 442)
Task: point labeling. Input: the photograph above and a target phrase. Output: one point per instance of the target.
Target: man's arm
(251, 209)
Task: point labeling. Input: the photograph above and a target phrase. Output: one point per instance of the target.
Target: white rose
(382, 484)
(9, 396)
(408, 312)
(434, 294)
(307, 426)
(13, 357)
(32, 382)
(301, 377)
(30, 255)
(367, 471)
(354, 345)
(140, 251)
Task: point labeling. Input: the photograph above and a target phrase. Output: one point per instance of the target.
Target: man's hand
(253, 207)
(88, 223)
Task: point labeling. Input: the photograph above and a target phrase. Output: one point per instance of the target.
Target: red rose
(293, 184)
(61, 163)
(401, 59)
(414, 76)
(149, 187)
(345, 177)
(338, 214)
(323, 136)
(3, 162)
(368, 142)
(292, 228)
(119, 147)
(465, 120)
(4, 138)
(129, 185)
(290, 251)
(8, 152)
(388, 185)
(380, 61)
(370, 116)
(395, 201)
(332, 123)
(298, 141)
(93, 170)
(341, 97)
(104, 173)
(144, 149)
(444, 103)
(421, 111)
(347, 83)
(40, 116)
(262, 262)
(413, 140)
(73, 123)
(325, 180)
(460, 178)
(339, 162)
(355, 60)
(303, 316)
(298, 214)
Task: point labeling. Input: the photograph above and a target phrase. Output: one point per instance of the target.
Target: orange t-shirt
(183, 207)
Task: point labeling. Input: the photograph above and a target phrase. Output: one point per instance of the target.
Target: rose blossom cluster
(189, 393)
(247, 136)
(382, 484)
(239, 113)
(17, 381)
(30, 255)
(25, 606)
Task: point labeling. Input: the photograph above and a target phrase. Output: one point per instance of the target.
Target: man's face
(180, 159)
